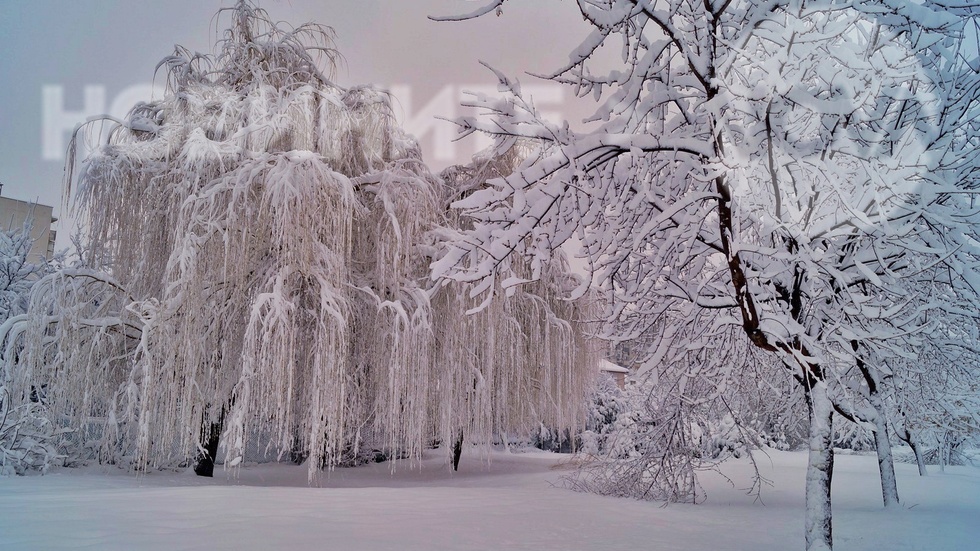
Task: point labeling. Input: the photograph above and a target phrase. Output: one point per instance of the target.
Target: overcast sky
(112, 46)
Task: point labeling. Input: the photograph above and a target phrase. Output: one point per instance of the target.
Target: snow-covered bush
(17, 271)
(28, 441)
(651, 440)
(607, 403)
(652, 448)
(651, 451)
(603, 406)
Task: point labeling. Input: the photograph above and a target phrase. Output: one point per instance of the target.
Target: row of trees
(256, 272)
(797, 176)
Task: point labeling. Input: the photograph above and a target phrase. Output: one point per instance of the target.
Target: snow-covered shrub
(28, 441)
(774, 434)
(604, 405)
(76, 316)
(651, 450)
(671, 424)
(17, 272)
(607, 402)
(722, 437)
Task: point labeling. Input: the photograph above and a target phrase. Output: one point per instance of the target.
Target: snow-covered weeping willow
(269, 235)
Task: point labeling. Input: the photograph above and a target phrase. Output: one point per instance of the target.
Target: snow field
(514, 502)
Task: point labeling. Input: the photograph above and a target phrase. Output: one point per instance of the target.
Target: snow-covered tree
(936, 402)
(28, 441)
(672, 424)
(790, 168)
(267, 236)
(18, 271)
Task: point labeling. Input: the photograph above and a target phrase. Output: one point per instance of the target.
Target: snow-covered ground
(514, 502)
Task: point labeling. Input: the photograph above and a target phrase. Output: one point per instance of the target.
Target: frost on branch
(268, 235)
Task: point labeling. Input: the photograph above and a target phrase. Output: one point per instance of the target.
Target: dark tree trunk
(205, 459)
(457, 450)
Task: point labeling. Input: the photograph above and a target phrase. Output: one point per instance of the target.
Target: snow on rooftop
(606, 365)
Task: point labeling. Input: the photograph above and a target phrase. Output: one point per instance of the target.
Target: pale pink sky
(115, 44)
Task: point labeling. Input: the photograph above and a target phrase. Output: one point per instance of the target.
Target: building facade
(13, 214)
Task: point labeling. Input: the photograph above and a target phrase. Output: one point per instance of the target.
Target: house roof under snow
(606, 365)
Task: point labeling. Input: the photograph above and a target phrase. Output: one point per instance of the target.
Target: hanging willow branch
(272, 233)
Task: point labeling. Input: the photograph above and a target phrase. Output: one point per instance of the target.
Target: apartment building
(14, 212)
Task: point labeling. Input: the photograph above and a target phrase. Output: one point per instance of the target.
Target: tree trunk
(883, 446)
(457, 450)
(820, 470)
(941, 453)
(948, 443)
(919, 459)
(906, 436)
(886, 466)
(205, 459)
